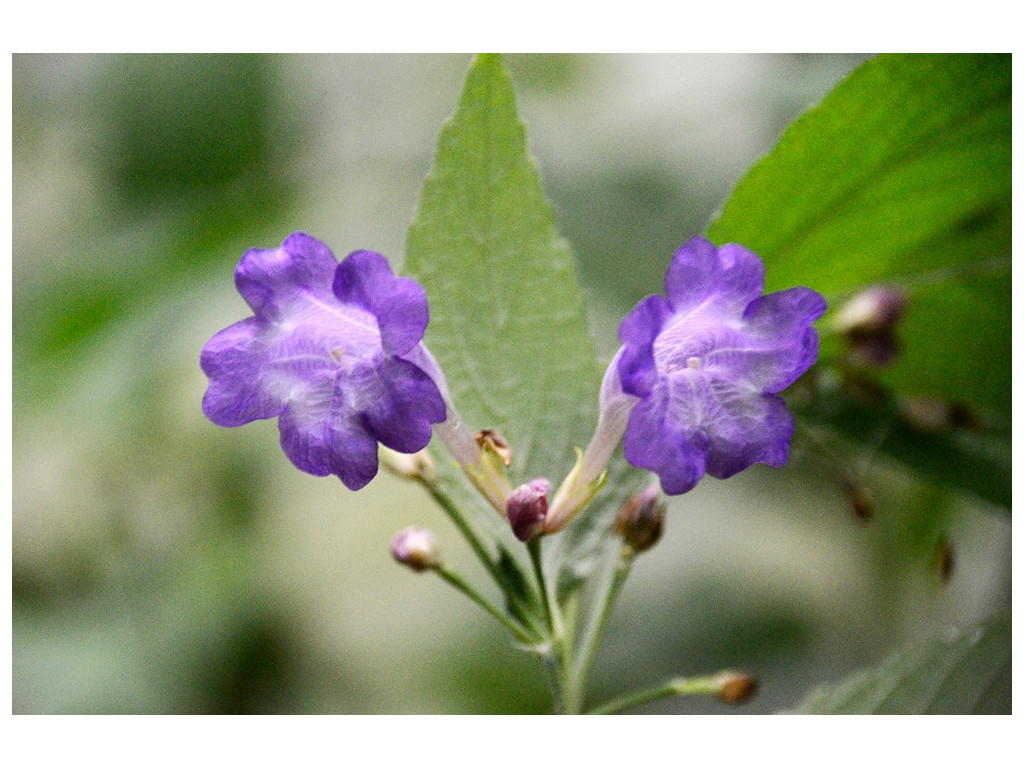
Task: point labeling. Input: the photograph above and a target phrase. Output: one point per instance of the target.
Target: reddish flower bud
(527, 508)
(640, 519)
(736, 687)
(868, 322)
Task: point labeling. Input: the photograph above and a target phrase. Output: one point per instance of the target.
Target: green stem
(678, 686)
(489, 562)
(533, 546)
(558, 654)
(594, 629)
(460, 522)
(526, 612)
(460, 584)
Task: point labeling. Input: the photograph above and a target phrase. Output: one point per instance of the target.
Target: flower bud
(416, 548)
(933, 415)
(872, 350)
(945, 560)
(413, 466)
(874, 310)
(858, 496)
(736, 687)
(640, 519)
(527, 508)
(868, 322)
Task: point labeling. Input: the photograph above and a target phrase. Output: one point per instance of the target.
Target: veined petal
(328, 446)
(269, 278)
(365, 279)
(232, 360)
(638, 332)
(408, 403)
(748, 431)
(690, 277)
(655, 440)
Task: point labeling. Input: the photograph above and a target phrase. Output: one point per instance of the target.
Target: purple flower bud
(527, 508)
(334, 352)
(706, 362)
(416, 548)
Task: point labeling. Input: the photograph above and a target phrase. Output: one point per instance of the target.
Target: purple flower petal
(656, 441)
(408, 403)
(231, 360)
(638, 332)
(732, 275)
(321, 445)
(269, 278)
(707, 363)
(365, 279)
(322, 352)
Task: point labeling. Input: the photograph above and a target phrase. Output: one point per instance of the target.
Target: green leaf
(902, 174)
(965, 673)
(508, 323)
(507, 316)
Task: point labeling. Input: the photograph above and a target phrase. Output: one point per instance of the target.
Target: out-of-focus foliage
(902, 176)
(968, 673)
(170, 158)
(164, 565)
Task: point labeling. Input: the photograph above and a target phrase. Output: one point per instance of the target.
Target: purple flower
(334, 351)
(706, 363)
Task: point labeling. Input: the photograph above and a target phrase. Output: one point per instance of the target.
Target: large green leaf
(902, 174)
(965, 673)
(508, 322)
(507, 317)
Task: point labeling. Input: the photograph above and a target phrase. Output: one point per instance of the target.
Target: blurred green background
(161, 564)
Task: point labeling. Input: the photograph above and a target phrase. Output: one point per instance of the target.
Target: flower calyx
(493, 442)
(486, 468)
(577, 491)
